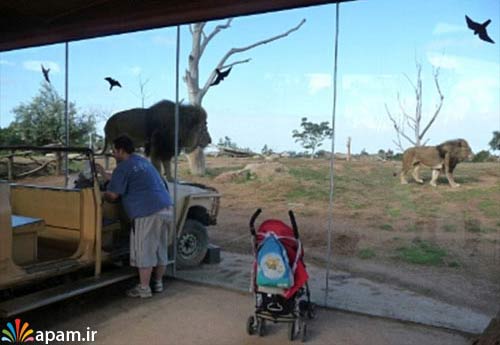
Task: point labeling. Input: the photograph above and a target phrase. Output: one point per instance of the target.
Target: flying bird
(220, 76)
(45, 72)
(479, 29)
(112, 82)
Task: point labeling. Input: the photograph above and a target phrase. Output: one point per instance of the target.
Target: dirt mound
(345, 244)
(250, 171)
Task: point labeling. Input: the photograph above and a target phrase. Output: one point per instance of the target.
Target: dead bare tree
(142, 89)
(348, 149)
(414, 121)
(200, 41)
(143, 95)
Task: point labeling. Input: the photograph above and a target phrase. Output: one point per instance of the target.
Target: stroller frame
(270, 305)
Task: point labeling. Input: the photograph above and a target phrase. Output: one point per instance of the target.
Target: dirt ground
(194, 314)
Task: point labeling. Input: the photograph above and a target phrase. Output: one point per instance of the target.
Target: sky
(261, 102)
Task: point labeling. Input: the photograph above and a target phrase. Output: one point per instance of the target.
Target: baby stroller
(279, 298)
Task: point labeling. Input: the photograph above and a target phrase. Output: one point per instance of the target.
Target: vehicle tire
(192, 244)
(250, 322)
(291, 331)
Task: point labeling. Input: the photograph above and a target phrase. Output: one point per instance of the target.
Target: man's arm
(111, 197)
(100, 170)
(108, 196)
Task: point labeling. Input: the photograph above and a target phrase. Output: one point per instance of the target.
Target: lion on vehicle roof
(443, 157)
(153, 129)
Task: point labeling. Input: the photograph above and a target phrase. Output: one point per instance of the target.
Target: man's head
(123, 147)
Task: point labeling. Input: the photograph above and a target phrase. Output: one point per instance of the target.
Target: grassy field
(374, 216)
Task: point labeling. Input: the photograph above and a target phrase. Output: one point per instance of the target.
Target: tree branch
(401, 106)
(407, 117)
(398, 144)
(35, 169)
(398, 129)
(233, 51)
(438, 107)
(217, 29)
(233, 63)
(411, 83)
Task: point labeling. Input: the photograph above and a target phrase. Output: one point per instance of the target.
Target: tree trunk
(196, 160)
(196, 93)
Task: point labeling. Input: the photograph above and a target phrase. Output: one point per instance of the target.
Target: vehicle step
(42, 298)
(213, 254)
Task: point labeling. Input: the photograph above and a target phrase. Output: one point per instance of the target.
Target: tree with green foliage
(495, 142)
(9, 137)
(481, 156)
(312, 135)
(266, 151)
(227, 142)
(41, 121)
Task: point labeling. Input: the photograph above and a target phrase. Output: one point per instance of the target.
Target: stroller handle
(252, 220)
(294, 224)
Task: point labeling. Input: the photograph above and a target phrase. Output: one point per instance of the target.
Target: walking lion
(440, 158)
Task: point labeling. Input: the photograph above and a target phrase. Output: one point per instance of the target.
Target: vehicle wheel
(303, 332)
(192, 244)
(261, 326)
(250, 322)
(311, 312)
(291, 331)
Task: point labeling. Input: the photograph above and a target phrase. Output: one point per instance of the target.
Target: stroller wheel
(261, 326)
(250, 325)
(291, 331)
(311, 311)
(303, 332)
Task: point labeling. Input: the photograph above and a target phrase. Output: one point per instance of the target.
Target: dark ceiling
(26, 23)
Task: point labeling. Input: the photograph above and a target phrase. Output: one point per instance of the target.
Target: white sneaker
(158, 285)
(139, 291)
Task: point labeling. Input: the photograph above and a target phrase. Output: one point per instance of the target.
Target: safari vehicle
(57, 242)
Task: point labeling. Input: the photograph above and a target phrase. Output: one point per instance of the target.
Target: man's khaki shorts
(149, 239)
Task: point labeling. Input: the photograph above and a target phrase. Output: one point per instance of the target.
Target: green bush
(366, 253)
(422, 253)
(481, 156)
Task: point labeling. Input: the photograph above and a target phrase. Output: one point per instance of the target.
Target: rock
(228, 176)
(260, 170)
(273, 157)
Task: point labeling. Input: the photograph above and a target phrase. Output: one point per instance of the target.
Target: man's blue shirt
(140, 186)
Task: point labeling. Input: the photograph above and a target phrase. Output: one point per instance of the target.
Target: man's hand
(111, 197)
(108, 196)
(100, 170)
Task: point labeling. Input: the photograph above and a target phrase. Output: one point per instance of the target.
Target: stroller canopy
(286, 236)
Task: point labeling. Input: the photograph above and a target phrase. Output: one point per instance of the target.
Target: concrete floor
(350, 293)
(188, 313)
